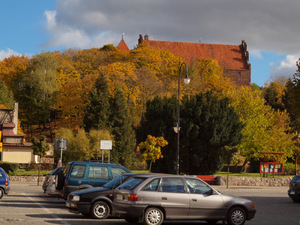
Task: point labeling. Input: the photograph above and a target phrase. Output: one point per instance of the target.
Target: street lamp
(177, 128)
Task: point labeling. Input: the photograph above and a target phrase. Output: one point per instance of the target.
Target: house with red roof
(233, 59)
(14, 147)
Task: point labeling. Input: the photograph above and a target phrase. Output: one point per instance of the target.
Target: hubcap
(154, 217)
(100, 210)
(237, 217)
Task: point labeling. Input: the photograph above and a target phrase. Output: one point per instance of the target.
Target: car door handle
(194, 200)
(164, 198)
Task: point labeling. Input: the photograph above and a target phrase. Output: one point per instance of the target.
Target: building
(15, 149)
(233, 59)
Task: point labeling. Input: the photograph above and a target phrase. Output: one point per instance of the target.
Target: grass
(22, 172)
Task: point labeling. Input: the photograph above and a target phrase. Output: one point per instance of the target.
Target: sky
(270, 27)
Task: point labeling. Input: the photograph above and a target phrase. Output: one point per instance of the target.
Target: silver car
(49, 185)
(156, 198)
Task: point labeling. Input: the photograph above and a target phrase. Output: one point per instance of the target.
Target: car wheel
(100, 210)
(153, 216)
(236, 216)
(130, 219)
(297, 200)
(212, 222)
(1, 193)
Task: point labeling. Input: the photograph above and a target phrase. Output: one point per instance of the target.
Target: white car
(50, 181)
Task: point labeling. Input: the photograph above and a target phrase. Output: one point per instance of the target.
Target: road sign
(106, 145)
(61, 144)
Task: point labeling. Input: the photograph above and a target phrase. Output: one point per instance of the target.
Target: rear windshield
(131, 184)
(296, 179)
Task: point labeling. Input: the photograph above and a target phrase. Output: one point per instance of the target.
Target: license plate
(292, 193)
(119, 197)
(68, 204)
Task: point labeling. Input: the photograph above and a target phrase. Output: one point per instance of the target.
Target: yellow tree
(152, 147)
(265, 130)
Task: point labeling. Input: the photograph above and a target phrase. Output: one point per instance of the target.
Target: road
(26, 204)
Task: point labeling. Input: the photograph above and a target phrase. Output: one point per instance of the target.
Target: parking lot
(28, 205)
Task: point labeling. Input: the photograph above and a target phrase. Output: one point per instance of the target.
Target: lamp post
(177, 128)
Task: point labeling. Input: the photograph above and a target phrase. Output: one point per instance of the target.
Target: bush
(9, 167)
(289, 168)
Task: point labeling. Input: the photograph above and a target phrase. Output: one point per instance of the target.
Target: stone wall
(221, 180)
(254, 181)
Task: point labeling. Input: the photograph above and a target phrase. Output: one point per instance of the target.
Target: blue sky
(269, 27)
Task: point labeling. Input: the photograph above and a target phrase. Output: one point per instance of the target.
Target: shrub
(9, 167)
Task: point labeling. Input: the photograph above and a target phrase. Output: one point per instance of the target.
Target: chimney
(146, 37)
(140, 40)
(15, 119)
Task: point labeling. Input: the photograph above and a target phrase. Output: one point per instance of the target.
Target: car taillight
(6, 182)
(132, 197)
(54, 182)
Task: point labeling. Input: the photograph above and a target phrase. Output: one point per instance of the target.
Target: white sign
(106, 145)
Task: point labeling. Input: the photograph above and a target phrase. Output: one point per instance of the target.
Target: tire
(236, 216)
(297, 200)
(59, 180)
(153, 216)
(1, 193)
(130, 219)
(100, 210)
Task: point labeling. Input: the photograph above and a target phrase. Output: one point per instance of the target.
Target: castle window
(239, 74)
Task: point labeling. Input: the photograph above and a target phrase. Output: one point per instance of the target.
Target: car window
(197, 186)
(131, 184)
(98, 172)
(78, 171)
(174, 184)
(115, 182)
(296, 179)
(116, 171)
(152, 186)
(1, 175)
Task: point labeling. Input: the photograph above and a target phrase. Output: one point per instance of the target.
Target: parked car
(86, 174)
(4, 183)
(294, 190)
(49, 186)
(156, 198)
(96, 202)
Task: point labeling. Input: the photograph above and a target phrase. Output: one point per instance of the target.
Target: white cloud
(285, 68)
(7, 53)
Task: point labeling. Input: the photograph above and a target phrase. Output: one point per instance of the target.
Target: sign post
(106, 145)
(61, 144)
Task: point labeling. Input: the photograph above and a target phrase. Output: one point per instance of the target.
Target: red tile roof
(231, 57)
(123, 46)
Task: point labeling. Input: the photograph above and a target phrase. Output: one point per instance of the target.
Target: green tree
(95, 137)
(274, 94)
(122, 131)
(78, 145)
(6, 97)
(97, 112)
(36, 91)
(152, 148)
(159, 120)
(40, 147)
(209, 125)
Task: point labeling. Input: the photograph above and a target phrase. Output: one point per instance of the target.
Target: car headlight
(76, 198)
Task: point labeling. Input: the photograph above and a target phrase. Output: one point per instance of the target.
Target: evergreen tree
(159, 120)
(208, 124)
(122, 130)
(97, 111)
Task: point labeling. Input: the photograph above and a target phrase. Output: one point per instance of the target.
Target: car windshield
(116, 182)
(296, 179)
(131, 184)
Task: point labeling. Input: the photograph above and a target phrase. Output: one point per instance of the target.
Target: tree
(122, 130)
(152, 148)
(40, 147)
(6, 97)
(274, 94)
(265, 130)
(209, 124)
(95, 136)
(97, 111)
(78, 145)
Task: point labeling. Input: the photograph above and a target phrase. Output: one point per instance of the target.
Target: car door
(173, 197)
(98, 175)
(204, 203)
